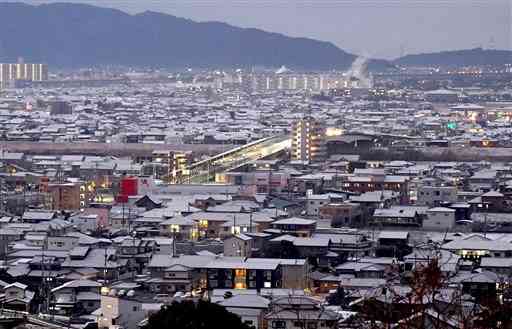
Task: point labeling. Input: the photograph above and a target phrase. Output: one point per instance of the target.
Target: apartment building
(308, 140)
(10, 72)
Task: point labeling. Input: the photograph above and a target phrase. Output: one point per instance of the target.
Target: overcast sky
(377, 28)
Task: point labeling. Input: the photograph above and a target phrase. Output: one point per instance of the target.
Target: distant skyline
(376, 28)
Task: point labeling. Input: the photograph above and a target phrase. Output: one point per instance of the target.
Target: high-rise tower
(308, 140)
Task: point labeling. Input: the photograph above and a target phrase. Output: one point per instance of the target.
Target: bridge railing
(45, 320)
(208, 167)
(220, 155)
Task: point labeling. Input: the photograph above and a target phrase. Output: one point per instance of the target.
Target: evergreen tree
(190, 315)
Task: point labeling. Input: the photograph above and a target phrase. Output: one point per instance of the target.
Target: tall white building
(22, 71)
(308, 140)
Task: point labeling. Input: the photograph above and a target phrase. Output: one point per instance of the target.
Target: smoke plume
(359, 72)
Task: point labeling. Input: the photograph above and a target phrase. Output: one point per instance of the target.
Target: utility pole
(124, 220)
(269, 179)
(486, 206)
(174, 253)
(2, 195)
(44, 277)
(105, 268)
(129, 219)
(42, 290)
(250, 220)
(24, 200)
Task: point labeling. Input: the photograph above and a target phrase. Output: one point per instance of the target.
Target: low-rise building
(250, 308)
(433, 196)
(396, 216)
(476, 246)
(393, 244)
(76, 297)
(439, 219)
(299, 312)
(120, 312)
(343, 214)
(18, 297)
(239, 245)
(296, 226)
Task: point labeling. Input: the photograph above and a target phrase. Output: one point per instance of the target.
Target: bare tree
(432, 299)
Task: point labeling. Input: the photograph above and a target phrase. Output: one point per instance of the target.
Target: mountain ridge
(76, 35)
(465, 57)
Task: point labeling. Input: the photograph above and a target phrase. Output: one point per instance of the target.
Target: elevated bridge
(204, 171)
(12, 319)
